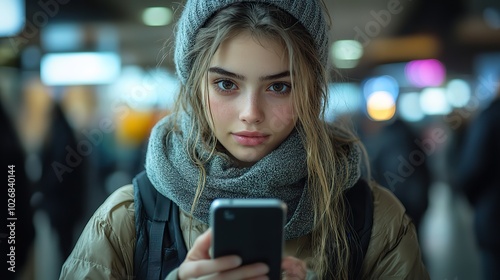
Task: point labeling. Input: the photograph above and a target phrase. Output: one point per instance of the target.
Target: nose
(251, 109)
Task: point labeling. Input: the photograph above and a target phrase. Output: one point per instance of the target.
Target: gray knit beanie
(197, 12)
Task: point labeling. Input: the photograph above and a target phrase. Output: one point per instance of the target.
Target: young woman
(249, 123)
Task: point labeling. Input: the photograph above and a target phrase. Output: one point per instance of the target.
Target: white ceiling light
(433, 101)
(157, 16)
(346, 53)
(11, 17)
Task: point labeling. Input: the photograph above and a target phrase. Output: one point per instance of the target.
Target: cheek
(219, 109)
(282, 117)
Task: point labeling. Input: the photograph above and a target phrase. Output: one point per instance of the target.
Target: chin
(246, 161)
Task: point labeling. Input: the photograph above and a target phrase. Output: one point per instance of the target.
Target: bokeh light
(86, 68)
(433, 101)
(382, 83)
(381, 106)
(409, 107)
(11, 17)
(157, 16)
(425, 73)
(458, 93)
(346, 53)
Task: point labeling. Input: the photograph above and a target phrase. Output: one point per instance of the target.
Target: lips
(250, 138)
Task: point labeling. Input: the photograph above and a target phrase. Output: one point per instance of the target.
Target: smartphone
(251, 229)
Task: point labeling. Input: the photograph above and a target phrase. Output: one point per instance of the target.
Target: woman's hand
(293, 269)
(199, 265)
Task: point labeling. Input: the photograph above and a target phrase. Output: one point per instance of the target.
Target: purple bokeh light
(425, 73)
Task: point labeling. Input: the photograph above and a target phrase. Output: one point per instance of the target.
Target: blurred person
(55, 167)
(12, 154)
(458, 122)
(80, 105)
(478, 177)
(60, 186)
(249, 123)
(398, 163)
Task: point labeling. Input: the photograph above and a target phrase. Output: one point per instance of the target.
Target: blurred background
(83, 82)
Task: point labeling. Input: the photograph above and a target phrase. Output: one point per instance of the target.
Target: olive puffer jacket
(105, 249)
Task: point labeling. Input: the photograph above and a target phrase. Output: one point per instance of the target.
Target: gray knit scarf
(281, 174)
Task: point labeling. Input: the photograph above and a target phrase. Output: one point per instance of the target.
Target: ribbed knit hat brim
(196, 12)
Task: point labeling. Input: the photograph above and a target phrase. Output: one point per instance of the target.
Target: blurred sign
(12, 17)
(86, 68)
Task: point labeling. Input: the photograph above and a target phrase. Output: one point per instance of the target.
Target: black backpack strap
(160, 246)
(359, 202)
(141, 240)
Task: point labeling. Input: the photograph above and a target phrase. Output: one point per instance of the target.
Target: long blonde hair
(326, 154)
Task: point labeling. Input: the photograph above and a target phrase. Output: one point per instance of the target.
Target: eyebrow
(224, 72)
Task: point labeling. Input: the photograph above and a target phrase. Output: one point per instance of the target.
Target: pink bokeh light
(425, 73)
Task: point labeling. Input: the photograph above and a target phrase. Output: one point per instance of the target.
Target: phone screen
(251, 229)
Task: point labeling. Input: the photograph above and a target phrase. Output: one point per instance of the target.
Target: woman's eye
(226, 85)
(280, 88)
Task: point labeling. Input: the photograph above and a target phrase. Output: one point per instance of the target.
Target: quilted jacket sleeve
(394, 251)
(106, 246)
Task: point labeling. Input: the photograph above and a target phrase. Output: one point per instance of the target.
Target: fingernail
(237, 261)
(263, 268)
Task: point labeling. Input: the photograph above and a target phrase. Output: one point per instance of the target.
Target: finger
(265, 277)
(251, 271)
(293, 268)
(259, 278)
(198, 268)
(201, 247)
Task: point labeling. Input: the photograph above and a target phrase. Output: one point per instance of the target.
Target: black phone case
(253, 231)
